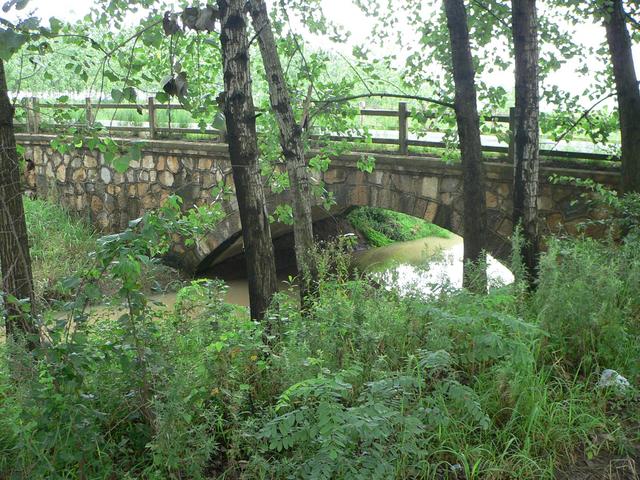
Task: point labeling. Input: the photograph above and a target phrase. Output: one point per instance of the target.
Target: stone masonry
(421, 186)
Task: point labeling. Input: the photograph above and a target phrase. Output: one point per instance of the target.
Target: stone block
(173, 164)
(90, 161)
(61, 173)
(359, 195)
(491, 200)
(407, 203)
(105, 175)
(142, 188)
(429, 187)
(96, 204)
(449, 185)
(420, 208)
(545, 203)
(109, 203)
(79, 175)
(205, 164)
(148, 201)
(506, 228)
(554, 222)
(147, 162)
(189, 163)
(334, 175)
(376, 177)
(431, 212)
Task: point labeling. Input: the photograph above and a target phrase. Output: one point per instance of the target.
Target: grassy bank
(383, 227)
(60, 245)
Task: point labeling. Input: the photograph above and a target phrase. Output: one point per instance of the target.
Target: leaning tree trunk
(628, 94)
(291, 142)
(243, 148)
(526, 135)
(475, 216)
(15, 262)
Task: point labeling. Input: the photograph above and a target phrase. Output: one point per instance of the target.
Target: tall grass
(60, 245)
(361, 384)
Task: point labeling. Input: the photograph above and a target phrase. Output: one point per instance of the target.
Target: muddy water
(425, 266)
(422, 266)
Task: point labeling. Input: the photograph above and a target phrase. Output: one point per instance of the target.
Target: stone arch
(436, 198)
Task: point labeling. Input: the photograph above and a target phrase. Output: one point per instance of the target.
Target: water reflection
(426, 266)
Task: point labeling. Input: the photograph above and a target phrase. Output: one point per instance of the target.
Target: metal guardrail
(33, 107)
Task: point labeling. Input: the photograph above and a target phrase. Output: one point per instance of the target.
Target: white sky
(346, 13)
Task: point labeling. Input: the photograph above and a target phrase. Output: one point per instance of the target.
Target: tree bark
(291, 142)
(628, 93)
(526, 135)
(240, 117)
(15, 261)
(475, 216)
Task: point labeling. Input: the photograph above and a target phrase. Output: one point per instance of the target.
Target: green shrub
(362, 383)
(383, 227)
(587, 301)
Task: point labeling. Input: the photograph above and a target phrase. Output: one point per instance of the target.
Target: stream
(423, 267)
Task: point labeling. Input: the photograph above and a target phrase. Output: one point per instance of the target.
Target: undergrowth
(362, 384)
(59, 245)
(62, 244)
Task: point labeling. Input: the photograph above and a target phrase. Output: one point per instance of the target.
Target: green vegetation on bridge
(383, 227)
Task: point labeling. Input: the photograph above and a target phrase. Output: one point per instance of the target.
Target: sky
(346, 13)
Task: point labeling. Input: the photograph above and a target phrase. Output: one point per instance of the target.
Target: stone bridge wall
(421, 186)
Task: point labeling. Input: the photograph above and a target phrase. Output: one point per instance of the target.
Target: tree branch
(442, 103)
(584, 115)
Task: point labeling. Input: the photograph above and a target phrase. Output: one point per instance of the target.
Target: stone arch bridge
(424, 187)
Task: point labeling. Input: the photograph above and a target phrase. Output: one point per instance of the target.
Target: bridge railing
(33, 107)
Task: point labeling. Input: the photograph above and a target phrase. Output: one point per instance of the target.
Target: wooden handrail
(34, 125)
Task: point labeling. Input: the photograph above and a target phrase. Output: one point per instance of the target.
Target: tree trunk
(628, 94)
(526, 135)
(15, 262)
(475, 216)
(291, 142)
(240, 117)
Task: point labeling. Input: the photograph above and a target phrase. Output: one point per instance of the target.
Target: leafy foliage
(383, 227)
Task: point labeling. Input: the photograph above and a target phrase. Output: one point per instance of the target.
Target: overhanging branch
(419, 98)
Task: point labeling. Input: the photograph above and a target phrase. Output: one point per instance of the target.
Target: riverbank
(502, 386)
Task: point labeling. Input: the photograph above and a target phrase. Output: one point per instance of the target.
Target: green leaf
(219, 122)
(366, 163)
(117, 95)
(129, 94)
(55, 25)
(10, 43)
(121, 164)
(162, 97)
(17, 4)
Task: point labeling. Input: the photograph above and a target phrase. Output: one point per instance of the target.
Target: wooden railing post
(152, 118)
(512, 135)
(402, 128)
(88, 111)
(26, 106)
(35, 115)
